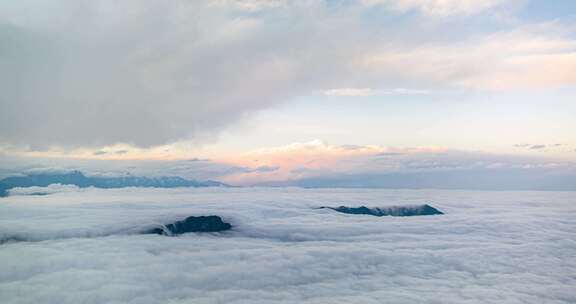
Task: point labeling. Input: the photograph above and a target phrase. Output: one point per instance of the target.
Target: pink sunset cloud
(296, 160)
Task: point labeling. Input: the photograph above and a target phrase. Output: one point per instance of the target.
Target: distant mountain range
(79, 179)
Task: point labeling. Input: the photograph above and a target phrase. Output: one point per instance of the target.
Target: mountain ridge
(78, 178)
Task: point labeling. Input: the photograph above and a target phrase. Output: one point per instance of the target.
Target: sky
(272, 92)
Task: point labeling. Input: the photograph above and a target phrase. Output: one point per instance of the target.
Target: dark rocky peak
(413, 210)
(211, 223)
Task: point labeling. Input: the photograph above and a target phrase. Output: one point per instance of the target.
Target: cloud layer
(489, 247)
(317, 164)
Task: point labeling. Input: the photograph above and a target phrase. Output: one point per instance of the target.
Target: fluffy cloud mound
(51, 189)
(489, 247)
(151, 72)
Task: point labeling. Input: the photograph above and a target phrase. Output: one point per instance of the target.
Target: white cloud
(440, 8)
(318, 164)
(404, 91)
(192, 168)
(529, 57)
(150, 73)
(489, 247)
(250, 5)
(363, 92)
(51, 189)
(350, 92)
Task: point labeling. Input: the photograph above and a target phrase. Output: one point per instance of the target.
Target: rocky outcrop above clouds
(413, 210)
(211, 223)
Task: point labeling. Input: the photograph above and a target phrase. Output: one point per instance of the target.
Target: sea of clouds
(82, 246)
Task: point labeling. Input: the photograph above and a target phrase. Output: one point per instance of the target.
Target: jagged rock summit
(414, 210)
(211, 223)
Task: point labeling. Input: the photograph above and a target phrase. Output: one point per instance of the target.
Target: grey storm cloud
(88, 73)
